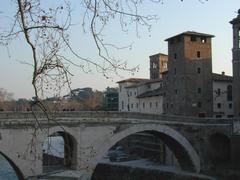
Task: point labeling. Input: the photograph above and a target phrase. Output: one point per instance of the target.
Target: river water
(6, 171)
(56, 148)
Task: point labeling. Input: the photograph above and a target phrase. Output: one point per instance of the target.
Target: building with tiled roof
(181, 83)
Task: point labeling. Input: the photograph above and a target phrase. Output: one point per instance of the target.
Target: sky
(174, 17)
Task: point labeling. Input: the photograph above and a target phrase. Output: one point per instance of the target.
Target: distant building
(80, 94)
(110, 99)
(222, 96)
(124, 93)
(158, 65)
(184, 86)
(140, 95)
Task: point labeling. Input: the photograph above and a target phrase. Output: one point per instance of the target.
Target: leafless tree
(46, 29)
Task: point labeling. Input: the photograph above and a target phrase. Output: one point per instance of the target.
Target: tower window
(193, 38)
(154, 65)
(199, 104)
(199, 90)
(198, 54)
(176, 91)
(198, 70)
(179, 39)
(175, 55)
(203, 39)
(229, 93)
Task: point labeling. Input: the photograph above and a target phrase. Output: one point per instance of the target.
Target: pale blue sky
(211, 17)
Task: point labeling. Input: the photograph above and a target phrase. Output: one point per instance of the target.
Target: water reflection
(6, 171)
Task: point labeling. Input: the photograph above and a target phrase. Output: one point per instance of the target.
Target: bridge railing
(21, 116)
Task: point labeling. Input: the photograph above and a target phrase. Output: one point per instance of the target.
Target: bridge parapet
(105, 115)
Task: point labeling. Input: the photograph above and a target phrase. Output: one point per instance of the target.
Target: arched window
(229, 92)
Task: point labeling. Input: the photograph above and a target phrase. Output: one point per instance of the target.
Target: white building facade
(140, 95)
(222, 96)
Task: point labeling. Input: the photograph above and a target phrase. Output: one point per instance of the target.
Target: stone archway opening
(148, 149)
(220, 149)
(8, 169)
(59, 152)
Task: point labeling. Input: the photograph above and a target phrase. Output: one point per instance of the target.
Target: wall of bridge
(95, 134)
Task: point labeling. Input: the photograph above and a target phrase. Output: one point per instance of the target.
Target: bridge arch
(15, 168)
(220, 148)
(70, 144)
(180, 146)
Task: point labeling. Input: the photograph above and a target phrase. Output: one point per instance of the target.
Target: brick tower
(189, 78)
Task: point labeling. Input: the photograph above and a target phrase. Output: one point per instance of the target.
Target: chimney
(223, 73)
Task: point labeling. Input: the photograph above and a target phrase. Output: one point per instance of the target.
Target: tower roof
(237, 19)
(190, 33)
(133, 80)
(158, 54)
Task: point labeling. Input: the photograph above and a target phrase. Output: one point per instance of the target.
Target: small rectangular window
(198, 54)
(193, 38)
(199, 104)
(219, 105)
(175, 55)
(198, 70)
(176, 91)
(150, 104)
(143, 105)
(218, 116)
(203, 39)
(201, 115)
(218, 92)
(156, 104)
(175, 71)
(179, 39)
(199, 90)
(230, 105)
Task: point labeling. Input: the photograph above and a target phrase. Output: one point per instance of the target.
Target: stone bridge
(199, 144)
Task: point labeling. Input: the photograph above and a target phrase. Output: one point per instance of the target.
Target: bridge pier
(235, 152)
(22, 150)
